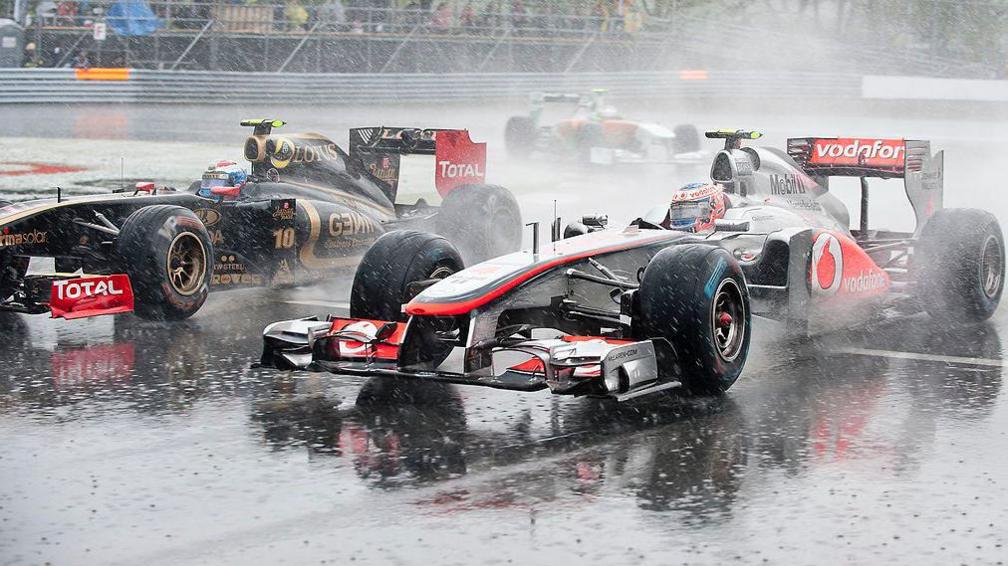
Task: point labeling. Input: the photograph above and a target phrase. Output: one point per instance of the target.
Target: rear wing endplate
(457, 159)
(911, 160)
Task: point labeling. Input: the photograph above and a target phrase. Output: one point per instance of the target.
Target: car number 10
(283, 238)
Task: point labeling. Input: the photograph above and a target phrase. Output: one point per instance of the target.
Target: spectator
(81, 60)
(31, 56)
(519, 15)
(467, 19)
(189, 15)
(633, 20)
(490, 18)
(332, 16)
(442, 18)
(600, 16)
(616, 22)
(66, 13)
(296, 15)
(357, 26)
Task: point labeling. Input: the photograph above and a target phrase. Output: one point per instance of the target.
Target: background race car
(307, 209)
(596, 132)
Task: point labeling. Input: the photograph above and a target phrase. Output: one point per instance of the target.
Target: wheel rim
(991, 267)
(728, 320)
(440, 272)
(186, 263)
(502, 230)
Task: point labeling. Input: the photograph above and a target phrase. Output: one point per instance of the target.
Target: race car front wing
(567, 365)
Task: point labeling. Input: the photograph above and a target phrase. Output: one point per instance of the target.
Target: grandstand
(930, 37)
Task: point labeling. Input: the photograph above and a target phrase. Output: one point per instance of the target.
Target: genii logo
(827, 265)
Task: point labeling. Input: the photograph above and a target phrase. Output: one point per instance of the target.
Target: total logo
(83, 288)
(827, 265)
(451, 170)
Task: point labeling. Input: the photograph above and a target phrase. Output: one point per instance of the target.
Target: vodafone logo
(827, 264)
(364, 327)
(856, 151)
(82, 288)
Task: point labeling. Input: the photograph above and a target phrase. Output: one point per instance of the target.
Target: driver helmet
(696, 206)
(222, 174)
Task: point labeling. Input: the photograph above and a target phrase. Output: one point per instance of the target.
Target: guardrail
(32, 86)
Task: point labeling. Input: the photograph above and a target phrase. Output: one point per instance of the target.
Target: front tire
(166, 252)
(483, 221)
(520, 136)
(695, 296)
(960, 265)
(381, 284)
(687, 138)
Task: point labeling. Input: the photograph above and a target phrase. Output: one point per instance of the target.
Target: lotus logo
(208, 216)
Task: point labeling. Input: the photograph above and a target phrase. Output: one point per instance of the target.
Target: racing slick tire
(587, 136)
(520, 136)
(483, 221)
(959, 265)
(687, 138)
(381, 284)
(166, 252)
(695, 296)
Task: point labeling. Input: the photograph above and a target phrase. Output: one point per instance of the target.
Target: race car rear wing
(374, 152)
(922, 172)
(539, 97)
(457, 159)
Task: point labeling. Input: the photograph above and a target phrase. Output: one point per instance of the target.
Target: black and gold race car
(307, 209)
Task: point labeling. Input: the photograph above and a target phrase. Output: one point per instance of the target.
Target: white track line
(924, 357)
(330, 304)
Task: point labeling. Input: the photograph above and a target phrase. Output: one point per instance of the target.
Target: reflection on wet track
(131, 442)
(165, 433)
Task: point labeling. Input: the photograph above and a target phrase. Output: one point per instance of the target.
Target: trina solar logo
(35, 237)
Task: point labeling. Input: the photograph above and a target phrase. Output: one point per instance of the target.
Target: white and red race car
(624, 313)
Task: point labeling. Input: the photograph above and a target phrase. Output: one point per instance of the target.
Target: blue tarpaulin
(132, 17)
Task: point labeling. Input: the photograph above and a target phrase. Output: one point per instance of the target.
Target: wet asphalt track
(129, 442)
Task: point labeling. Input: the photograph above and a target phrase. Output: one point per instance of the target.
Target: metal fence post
(299, 46)
(191, 44)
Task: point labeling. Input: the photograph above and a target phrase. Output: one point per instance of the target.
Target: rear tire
(520, 136)
(166, 252)
(695, 296)
(959, 265)
(483, 221)
(588, 136)
(687, 138)
(396, 259)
